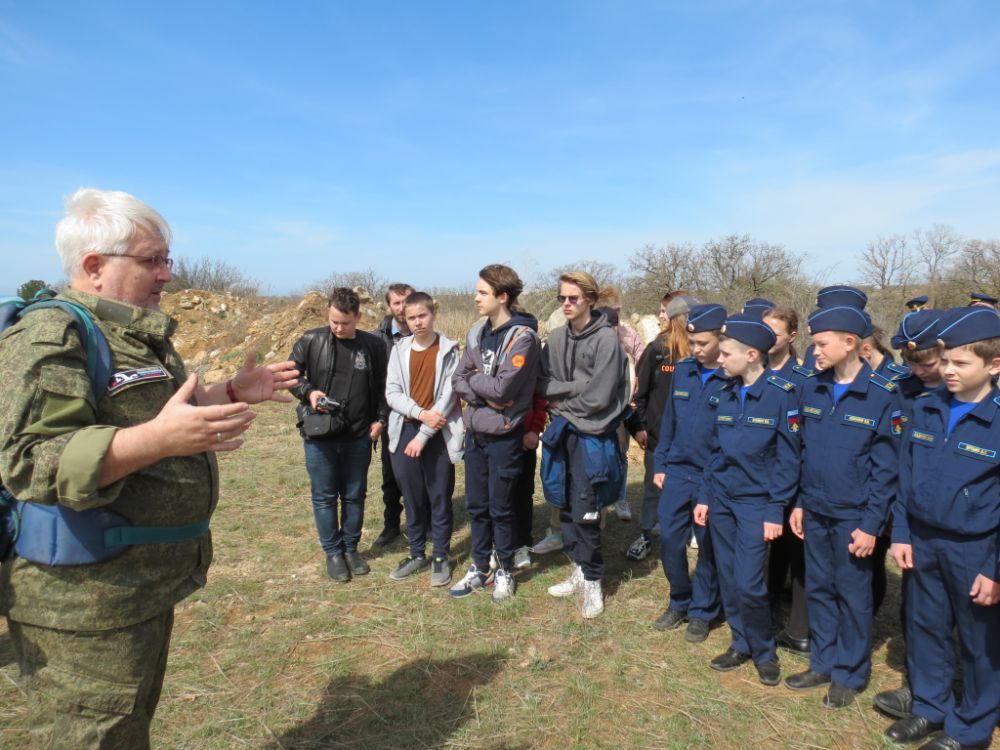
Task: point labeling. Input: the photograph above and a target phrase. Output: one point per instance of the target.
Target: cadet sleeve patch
(897, 421)
(792, 420)
(725, 419)
(812, 411)
(682, 394)
(857, 421)
(781, 383)
(920, 436)
(761, 422)
(984, 454)
(127, 378)
(517, 360)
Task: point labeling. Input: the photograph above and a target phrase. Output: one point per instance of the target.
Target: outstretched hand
(254, 384)
(181, 429)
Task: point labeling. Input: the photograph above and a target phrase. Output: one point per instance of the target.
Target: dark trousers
(649, 512)
(524, 500)
(787, 558)
(428, 484)
(700, 597)
(839, 590)
(338, 469)
(944, 569)
(737, 531)
(93, 690)
(391, 493)
(492, 466)
(880, 581)
(580, 519)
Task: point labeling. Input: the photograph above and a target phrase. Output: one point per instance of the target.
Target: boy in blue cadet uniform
(753, 476)
(978, 299)
(683, 453)
(917, 341)
(917, 303)
(834, 296)
(946, 532)
(850, 423)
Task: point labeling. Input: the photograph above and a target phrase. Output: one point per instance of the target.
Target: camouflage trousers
(93, 689)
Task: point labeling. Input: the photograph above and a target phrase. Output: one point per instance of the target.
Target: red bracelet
(230, 392)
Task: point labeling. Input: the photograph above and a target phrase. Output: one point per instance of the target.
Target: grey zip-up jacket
(510, 378)
(585, 375)
(397, 394)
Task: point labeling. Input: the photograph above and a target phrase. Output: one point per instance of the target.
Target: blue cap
(963, 325)
(841, 318)
(757, 306)
(918, 330)
(841, 296)
(978, 298)
(917, 303)
(706, 317)
(749, 330)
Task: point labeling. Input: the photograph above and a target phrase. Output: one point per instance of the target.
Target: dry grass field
(271, 654)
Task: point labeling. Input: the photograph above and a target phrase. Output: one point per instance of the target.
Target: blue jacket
(951, 482)
(599, 457)
(850, 451)
(687, 432)
(757, 453)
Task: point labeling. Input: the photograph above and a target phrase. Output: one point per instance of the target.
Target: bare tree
(368, 279)
(977, 267)
(886, 263)
(211, 275)
(936, 248)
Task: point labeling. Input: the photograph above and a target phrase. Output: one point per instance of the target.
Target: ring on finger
(219, 437)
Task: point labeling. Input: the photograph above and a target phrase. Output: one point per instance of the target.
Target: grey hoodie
(585, 375)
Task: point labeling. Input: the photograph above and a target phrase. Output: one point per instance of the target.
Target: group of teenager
(771, 466)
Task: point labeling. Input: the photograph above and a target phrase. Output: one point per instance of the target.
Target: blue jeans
(338, 468)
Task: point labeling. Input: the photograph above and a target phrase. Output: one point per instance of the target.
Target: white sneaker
(593, 599)
(693, 544)
(522, 558)
(470, 583)
(572, 585)
(552, 542)
(623, 510)
(504, 586)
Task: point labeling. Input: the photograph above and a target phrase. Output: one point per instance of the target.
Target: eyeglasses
(155, 262)
(571, 298)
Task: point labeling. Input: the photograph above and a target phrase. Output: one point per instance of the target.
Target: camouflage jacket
(53, 439)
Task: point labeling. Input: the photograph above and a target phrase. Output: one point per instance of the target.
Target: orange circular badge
(517, 360)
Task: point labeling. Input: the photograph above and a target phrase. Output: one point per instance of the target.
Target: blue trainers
(470, 583)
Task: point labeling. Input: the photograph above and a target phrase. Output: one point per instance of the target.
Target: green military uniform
(92, 639)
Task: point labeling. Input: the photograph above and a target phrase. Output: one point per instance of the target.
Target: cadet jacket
(509, 377)
(687, 433)
(850, 451)
(53, 440)
(757, 450)
(794, 372)
(951, 483)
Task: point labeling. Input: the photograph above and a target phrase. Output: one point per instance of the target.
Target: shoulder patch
(804, 371)
(785, 385)
(792, 420)
(928, 393)
(882, 382)
(686, 359)
(996, 399)
(896, 420)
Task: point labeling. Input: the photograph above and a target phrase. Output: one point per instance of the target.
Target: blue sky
(428, 139)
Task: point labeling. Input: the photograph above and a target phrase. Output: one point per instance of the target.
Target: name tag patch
(987, 454)
(812, 411)
(126, 378)
(725, 419)
(854, 420)
(923, 437)
(761, 421)
(682, 394)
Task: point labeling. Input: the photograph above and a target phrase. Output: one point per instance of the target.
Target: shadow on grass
(7, 655)
(420, 705)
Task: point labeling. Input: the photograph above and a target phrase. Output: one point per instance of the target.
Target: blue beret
(757, 306)
(977, 297)
(749, 330)
(841, 296)
(841, 318)
(706, 317)
(918, 330)
(918, 303)
(963, 325)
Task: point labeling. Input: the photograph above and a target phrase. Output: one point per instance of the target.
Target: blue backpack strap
(99, 360)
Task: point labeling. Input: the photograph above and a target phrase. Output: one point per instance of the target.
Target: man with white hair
(92, 638)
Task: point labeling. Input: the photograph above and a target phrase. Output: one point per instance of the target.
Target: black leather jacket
(313, 358)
